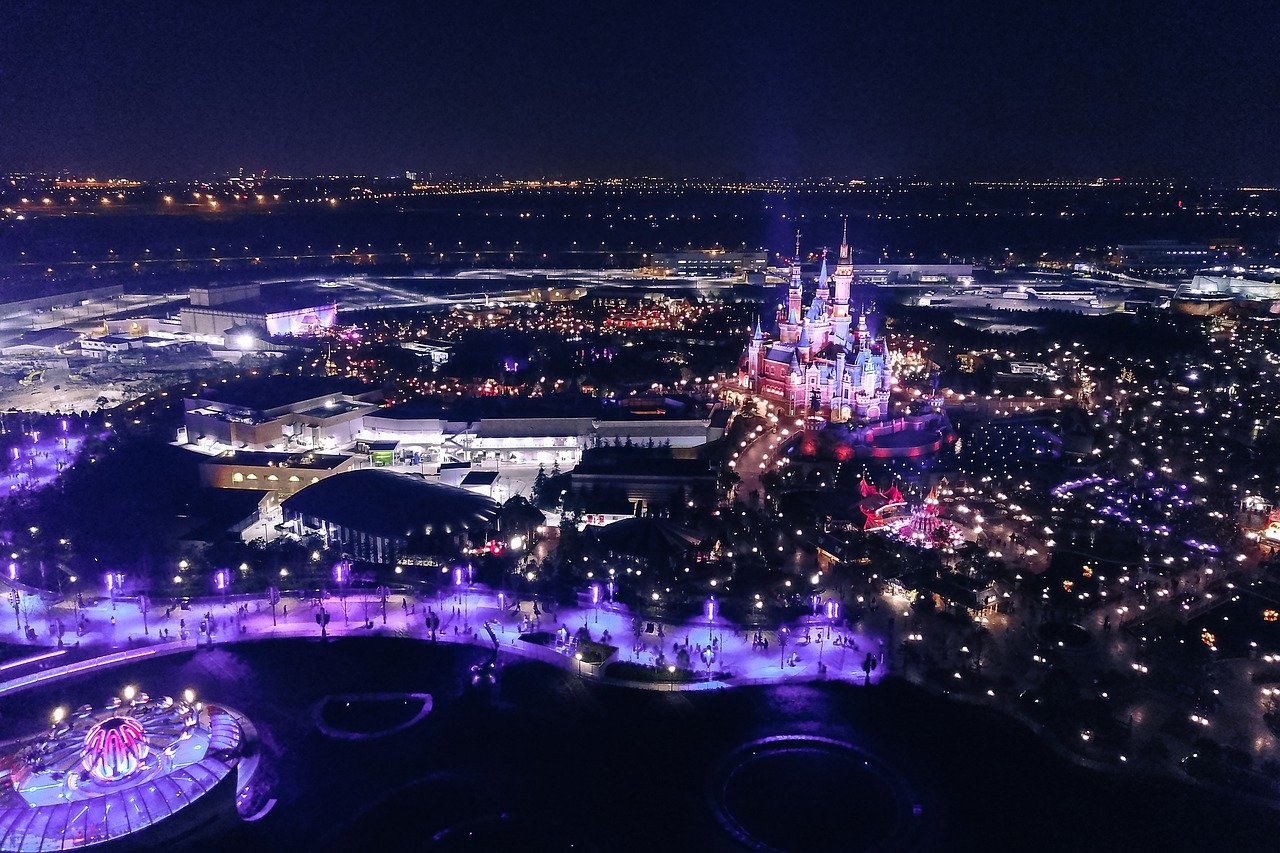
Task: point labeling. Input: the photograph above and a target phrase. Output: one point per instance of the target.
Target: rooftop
(392, 504)
(266, 459)
(272, 392)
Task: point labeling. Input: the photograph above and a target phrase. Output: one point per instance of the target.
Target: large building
(264, 471)
(710, 263)
(217, 312)
(820, 361)
(277, 413)
(379, 515)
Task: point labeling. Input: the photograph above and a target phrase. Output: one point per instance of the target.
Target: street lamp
(341, 576)
(222, 580)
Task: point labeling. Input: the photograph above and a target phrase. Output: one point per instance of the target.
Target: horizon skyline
(1041, 180)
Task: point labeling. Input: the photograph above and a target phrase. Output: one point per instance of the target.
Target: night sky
(943, 89)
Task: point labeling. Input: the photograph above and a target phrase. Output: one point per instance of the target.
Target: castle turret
(824, 280)
(753, 354)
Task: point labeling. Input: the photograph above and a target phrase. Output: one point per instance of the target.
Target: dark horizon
(983, 91)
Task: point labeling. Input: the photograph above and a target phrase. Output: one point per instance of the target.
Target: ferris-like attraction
(98, 775)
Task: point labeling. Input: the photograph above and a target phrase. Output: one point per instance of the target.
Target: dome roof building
(377, 515)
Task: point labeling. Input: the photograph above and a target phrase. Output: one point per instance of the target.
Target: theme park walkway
(114, 633)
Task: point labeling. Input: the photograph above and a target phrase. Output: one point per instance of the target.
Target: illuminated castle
(820, 361)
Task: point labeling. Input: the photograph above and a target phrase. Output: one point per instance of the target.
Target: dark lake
(543, 761)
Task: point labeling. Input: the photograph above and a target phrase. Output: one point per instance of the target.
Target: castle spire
(796, 288)
(842, 283)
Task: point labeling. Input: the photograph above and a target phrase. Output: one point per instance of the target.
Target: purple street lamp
(115, 585)
(595, 600)
(342, 576)
(463, 576)
(222, 582)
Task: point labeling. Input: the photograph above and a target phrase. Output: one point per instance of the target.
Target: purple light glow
(114, 748)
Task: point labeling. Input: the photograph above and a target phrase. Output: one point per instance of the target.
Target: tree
(539, 484)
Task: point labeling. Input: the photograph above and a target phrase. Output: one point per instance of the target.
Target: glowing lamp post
(833, 610)
(221, 581)
(342, 576)
(115, 585)
(595, 600)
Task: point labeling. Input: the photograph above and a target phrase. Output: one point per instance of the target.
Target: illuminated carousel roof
(102, 775)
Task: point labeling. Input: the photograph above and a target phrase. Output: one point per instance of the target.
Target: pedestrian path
(102, 628)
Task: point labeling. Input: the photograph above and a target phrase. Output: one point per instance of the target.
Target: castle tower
(753, 356)
(824, 280)
(795, 291)
(843, 281)
(839, 390)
